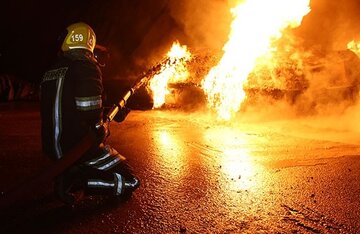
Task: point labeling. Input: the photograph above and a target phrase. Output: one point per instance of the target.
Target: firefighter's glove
(121, 115)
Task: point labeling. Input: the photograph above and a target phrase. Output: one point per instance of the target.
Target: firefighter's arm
(88, 98)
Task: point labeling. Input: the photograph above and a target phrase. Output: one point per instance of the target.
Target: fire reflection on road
(237, 163)
(207, 175)
(170, 151)
(231, 149)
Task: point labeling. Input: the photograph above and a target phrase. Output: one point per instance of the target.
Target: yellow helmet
(79, 36)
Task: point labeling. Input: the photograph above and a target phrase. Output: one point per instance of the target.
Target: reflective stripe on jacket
(70, 103)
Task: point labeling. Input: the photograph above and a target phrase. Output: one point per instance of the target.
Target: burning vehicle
(262, 63)
(319, 79)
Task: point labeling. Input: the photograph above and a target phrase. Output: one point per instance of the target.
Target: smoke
(319, 79)
(324, 87)
(206, 24)
(331, 24)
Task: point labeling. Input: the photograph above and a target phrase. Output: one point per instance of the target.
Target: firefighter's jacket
(71, 101)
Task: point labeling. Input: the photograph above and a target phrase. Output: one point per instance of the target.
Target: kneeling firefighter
(71, 106)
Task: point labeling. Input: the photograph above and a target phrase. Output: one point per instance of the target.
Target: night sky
(30, 30)
(138, 32)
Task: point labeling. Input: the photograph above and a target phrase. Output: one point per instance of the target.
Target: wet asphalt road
(198, 176)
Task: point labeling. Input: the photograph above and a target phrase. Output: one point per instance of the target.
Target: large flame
(174, 71)
(256, 24)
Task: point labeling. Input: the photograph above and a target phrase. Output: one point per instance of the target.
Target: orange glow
(354, 46)
(169, 152)
(235, 157)
(174, 71)
(256, 25)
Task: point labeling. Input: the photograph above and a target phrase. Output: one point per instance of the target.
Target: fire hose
(144, 79)
(31, 186)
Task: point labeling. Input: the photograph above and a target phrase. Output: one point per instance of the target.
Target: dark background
(30, 30)
(139, 32)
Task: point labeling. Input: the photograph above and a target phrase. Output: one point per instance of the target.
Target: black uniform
(71, 102)
(71, 106)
